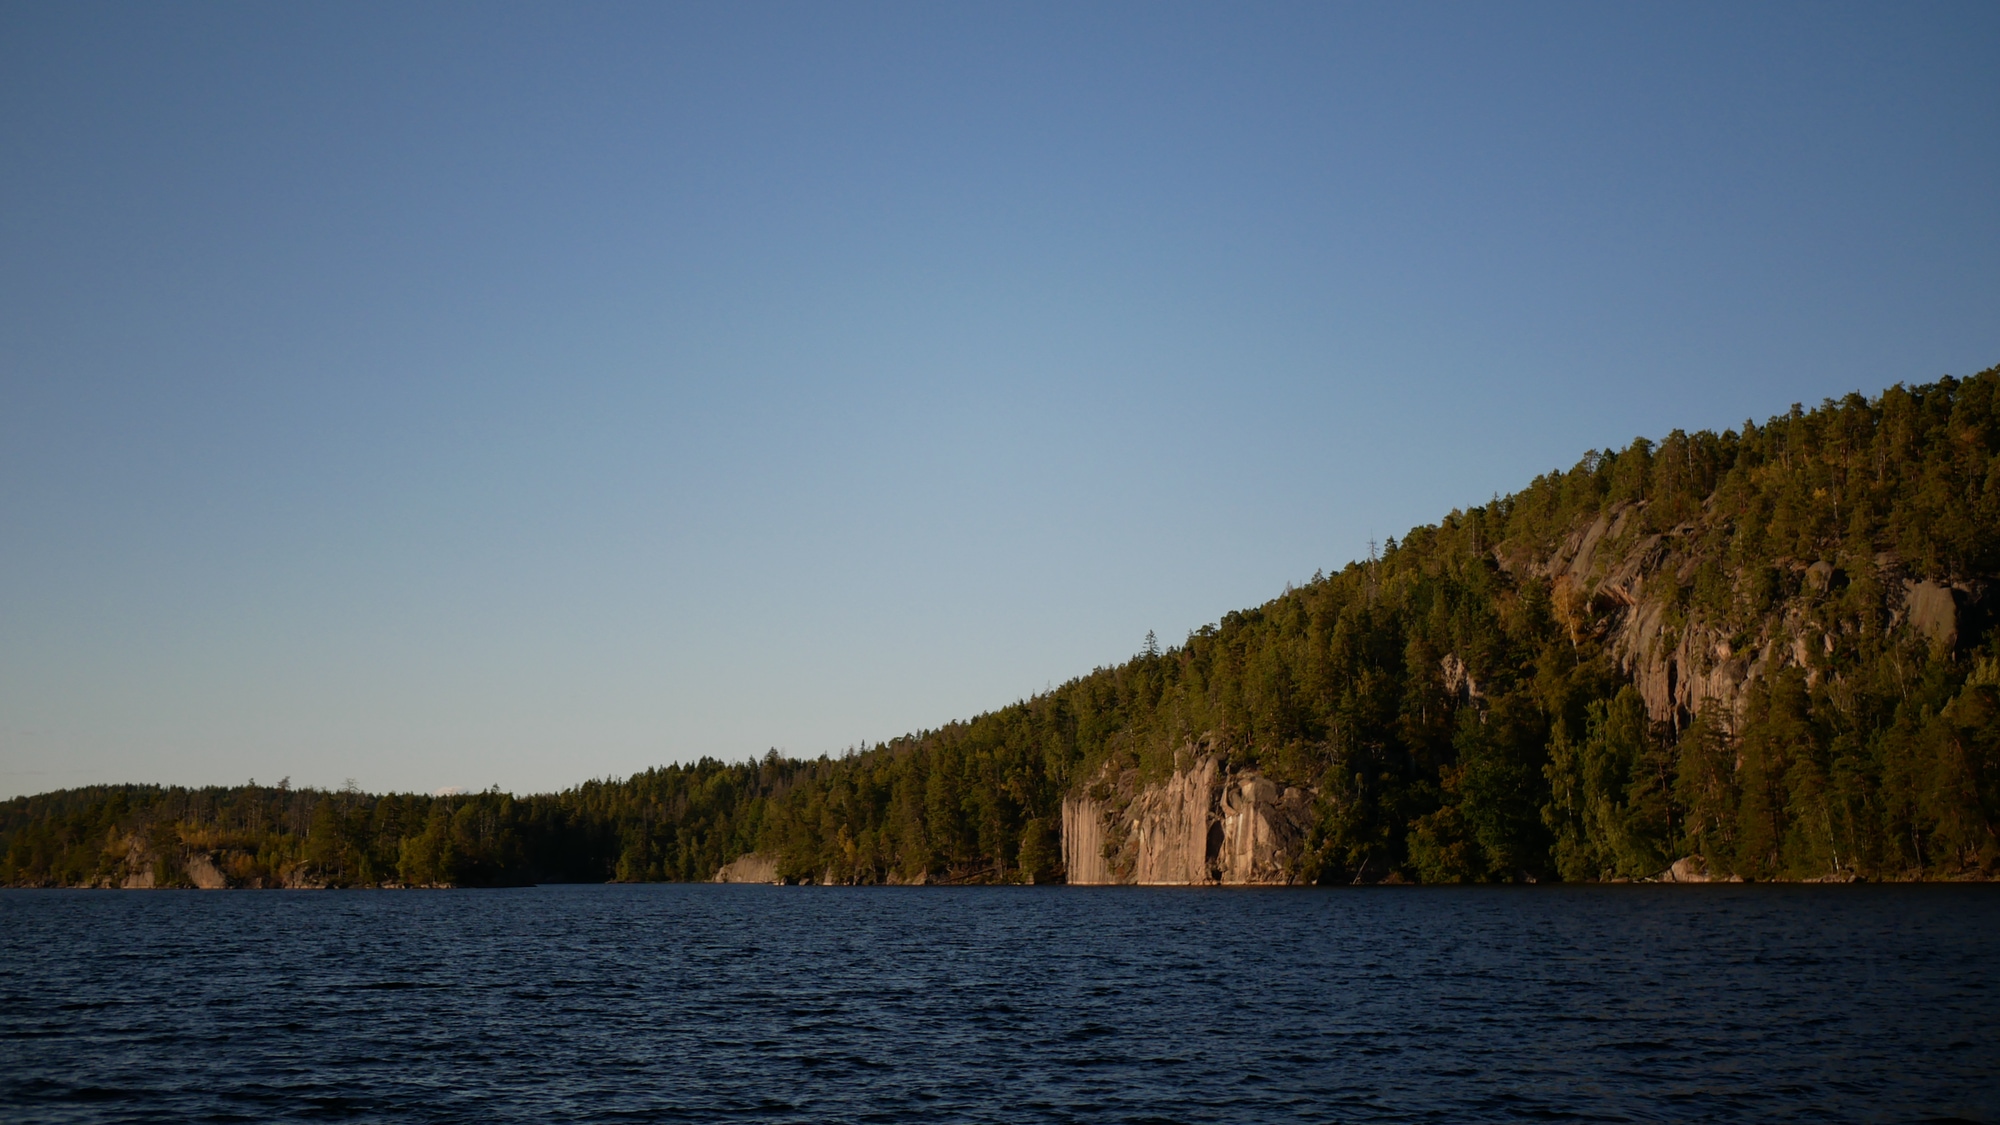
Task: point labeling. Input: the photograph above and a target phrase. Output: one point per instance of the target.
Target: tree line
(1460, 712)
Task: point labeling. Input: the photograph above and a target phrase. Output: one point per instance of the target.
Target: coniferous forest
(1769, 649)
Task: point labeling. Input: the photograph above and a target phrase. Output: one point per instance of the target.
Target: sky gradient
(461, 395)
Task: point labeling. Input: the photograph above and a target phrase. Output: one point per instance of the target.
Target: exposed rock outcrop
(148, 867)
(1173, 829)
(1458, 681)
(1614, 581)
(139, 866)
(1688, 869)
(1932, 611)
(1084, 857)
(1692, 869)
(301, 878)
(1200, 826)
(1263, 827)
(203, 873)
(750, 867)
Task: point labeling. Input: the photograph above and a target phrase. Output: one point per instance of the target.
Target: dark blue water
(705, 1003)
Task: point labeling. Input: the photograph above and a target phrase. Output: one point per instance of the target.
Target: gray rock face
(1616, 582)
(1170, 828)
(1692, 869)
(1083, 842)
(203, 873)
(1201, 826)
(749, 867)
(1263, 827)
(1695, 632)
(1458, 681)
(1689, 869)
(1932, 611)
(138, 866)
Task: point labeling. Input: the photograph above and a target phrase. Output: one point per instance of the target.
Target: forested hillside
(1769, 649)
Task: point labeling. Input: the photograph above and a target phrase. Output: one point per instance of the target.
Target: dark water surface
(707, 1003)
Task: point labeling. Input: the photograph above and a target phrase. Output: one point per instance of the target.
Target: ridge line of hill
(1766, 653)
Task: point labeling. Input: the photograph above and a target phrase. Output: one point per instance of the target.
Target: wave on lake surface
(703, 1003)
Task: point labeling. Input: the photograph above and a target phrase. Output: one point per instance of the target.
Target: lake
(757, 1003)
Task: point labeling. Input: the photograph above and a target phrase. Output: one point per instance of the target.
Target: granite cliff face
(193, 867)
(1201, 826)
(204, 874)
(750, 867)
(1630, 590)
(1694, 628)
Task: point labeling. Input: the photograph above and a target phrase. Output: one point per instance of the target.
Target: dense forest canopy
(1468, 705)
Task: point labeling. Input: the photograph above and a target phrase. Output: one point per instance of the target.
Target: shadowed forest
(1475, 703)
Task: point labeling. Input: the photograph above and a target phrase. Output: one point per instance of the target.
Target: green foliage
(1457, 704)
(1611, 807)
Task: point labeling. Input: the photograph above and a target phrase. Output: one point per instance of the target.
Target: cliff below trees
(1200, 826)
(1615, 588)
(1766, 653)
(1614, 583)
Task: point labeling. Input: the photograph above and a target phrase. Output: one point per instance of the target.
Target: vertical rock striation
(1262, 829)
(1201, 826)
(1614, 581)
(1173, 829)
(750, 867)
(1083, 841)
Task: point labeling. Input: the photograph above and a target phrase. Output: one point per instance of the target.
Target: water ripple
(773, 1004)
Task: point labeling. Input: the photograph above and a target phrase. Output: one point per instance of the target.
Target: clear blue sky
(499, 394)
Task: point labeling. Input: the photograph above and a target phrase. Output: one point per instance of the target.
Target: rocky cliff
(1203, 825)
(150, 867)
(1631, 590)
(751, 867)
